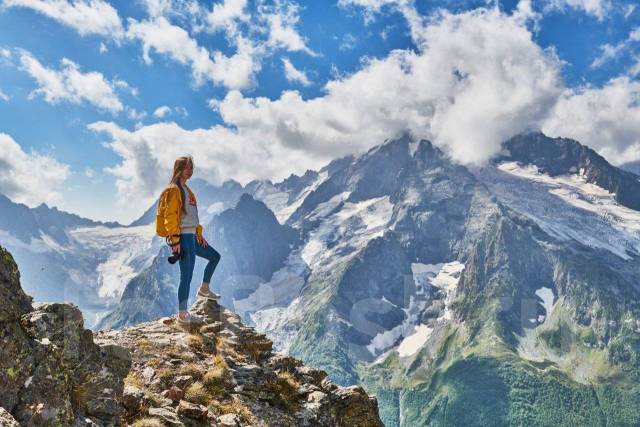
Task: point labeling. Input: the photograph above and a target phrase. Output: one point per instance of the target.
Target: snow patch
(413, 146)
(411, 344)
(589, 215)
(123, 252)
(276, 323)
(347, 230)
(444, 276)
(215, 208)
(546, 295)
(284, 213)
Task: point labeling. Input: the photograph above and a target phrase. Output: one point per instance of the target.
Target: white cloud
(634, 71)
(30, 178)
(597, 8)
(478, 80)
(103, 48)
(237, 71)
(148, 154)
(224, 16)
(70, 84)
(293, 74)
(406, 8)
(349, 41)
(85, 16)
(606, 119)
(134, 114)
(629, 10)
(610, 52)
(371, 8)
(89, 173)
(281, 19)
(4, 96)
(162, 111)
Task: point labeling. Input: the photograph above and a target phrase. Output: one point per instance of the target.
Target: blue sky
(262, 89)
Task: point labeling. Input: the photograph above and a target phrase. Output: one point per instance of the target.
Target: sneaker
(208, 294)
(189, 319)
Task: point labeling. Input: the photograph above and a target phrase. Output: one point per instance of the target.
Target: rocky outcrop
(51, 371)
(54, 372)
(224, 373)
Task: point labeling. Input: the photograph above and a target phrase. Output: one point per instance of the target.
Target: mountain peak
(559, 156)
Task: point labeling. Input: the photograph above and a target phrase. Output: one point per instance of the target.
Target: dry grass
(197, 393)
(232, 407)
(218, 360)
(224, 348)
(216, 381)
(154, 362)
(285, 390)
(134, 379)
(195, 342)
(147, 422)
(143, 344)
(192, 369)
(165, 375)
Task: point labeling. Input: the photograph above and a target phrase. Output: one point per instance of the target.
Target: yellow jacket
(170, 213)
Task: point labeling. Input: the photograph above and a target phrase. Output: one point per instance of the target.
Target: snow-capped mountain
(458, 293)
(451, 292)
(64, 257)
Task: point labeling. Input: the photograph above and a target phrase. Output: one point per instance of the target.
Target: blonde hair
(179, 165)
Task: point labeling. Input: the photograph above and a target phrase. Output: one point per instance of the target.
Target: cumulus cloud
(29, 178)
(85, 16)
(162, 111)
(148, 154)
(610, 52)
(596, 8)
(236, 71)
(281, 18)
(134, 114)
(293, 74)
(407, 8)
(607, 119)
(70, 84)
(478, 79)
(225, 16)
(89, 173)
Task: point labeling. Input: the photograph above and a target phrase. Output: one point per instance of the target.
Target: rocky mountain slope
(54, 372)
(486, 296)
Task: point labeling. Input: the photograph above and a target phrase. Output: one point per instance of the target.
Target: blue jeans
(189, 248)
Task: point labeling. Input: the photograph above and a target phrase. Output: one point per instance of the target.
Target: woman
(182, 225)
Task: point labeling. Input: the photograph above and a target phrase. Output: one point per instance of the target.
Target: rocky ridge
(221, 373)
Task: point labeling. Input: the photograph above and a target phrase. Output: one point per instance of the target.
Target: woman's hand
(175, 248)
(202, 241)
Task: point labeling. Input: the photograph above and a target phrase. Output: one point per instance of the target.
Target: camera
(173, 258)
